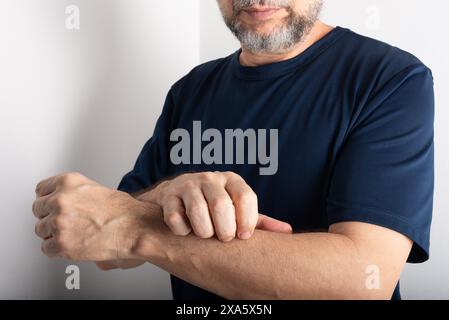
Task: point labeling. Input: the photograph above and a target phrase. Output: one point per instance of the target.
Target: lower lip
(261, 14)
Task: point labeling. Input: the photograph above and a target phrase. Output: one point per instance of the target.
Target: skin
(254, 59)
(220, 204)
(196, 227)
(250, 59)
(81, 220)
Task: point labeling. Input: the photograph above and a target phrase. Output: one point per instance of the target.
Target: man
(316, 126)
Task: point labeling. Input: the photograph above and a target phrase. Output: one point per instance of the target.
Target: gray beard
(283, 38)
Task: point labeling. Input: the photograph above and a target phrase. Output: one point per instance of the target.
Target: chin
(264, 29)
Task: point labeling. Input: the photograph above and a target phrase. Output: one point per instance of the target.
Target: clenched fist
(211, 203)
(83, 221)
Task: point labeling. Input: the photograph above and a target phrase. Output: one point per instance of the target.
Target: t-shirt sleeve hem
(125, 189)
(128, 185)
(420, 249)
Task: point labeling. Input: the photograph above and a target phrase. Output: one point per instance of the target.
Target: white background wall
(87, 100)
(84, 101)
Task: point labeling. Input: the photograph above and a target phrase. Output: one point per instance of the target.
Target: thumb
(270, 224)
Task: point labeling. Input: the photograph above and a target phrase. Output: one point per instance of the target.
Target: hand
(83, 221)
(119, 264)
(218, 203)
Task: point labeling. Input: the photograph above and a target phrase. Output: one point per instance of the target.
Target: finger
(174, 216)
(129, 264)
(245, 203)
(106, 265)
(270, 224)
(198, 213)
(45, 187)
(43, 228)
(221, 210)
(50, 248)
(118, 264)
(41, 207)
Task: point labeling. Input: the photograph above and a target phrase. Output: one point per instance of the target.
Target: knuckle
(70, 178)
(220, 205)
(173, 218)
(206, 176)
(189, 184)
(59, 222)
(66, 179)
(196, 209)
(75, 175)
(177, 225)
(87, 188)
(58, 201)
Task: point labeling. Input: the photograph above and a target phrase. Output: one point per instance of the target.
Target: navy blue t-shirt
(354, 124)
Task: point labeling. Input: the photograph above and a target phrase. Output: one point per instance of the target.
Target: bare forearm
(268, 266)
(118, 227)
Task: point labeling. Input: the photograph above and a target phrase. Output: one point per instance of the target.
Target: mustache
(243, 4)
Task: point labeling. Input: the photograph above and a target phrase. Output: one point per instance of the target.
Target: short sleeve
(384, 172)
(152, 162)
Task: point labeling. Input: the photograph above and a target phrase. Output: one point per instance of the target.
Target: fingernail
(245, 235)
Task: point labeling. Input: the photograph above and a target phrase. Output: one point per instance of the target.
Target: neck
(250, 59)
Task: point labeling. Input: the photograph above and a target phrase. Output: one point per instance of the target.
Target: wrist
(153, 195)
(145, 226)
